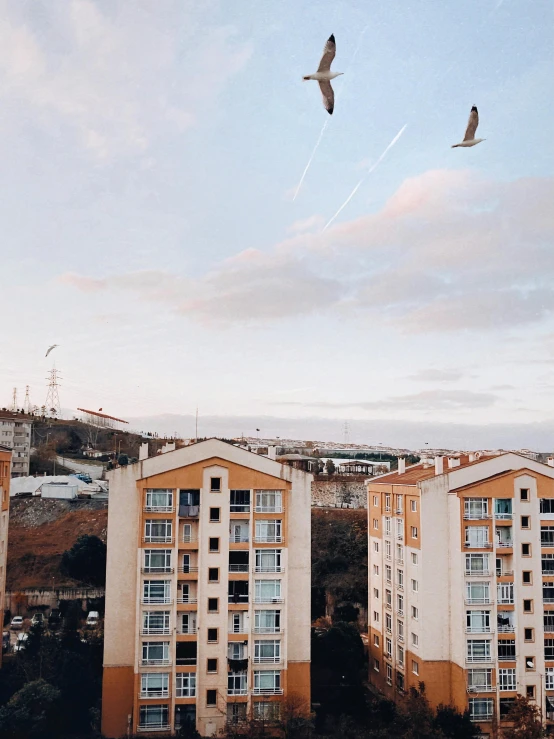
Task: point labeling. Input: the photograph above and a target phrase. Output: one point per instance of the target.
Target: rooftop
(423, 471)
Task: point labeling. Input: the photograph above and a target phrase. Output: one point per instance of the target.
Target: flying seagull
(324, 74)
(469, 137)
(50, 349)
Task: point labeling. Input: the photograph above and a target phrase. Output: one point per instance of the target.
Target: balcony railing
(267, 630)
(239, 539)
(267, 660)
(156, 599)
(478, 545)
(267, 691)
(268, 568)
(503, 516)
(155, 662)
(506, 658)
(236, 598)
(237, 691)
(400, 536)
(504, 544)
(159, 509)
(400, 637)
(477, 516)
(508, 601)
(155, 631)
(239, 507)
(157, 570)
(238, 568)
(269, 509)
(186, 599)
(153, 727)
(187, 569)
(185, 661)
(158, 539)
(154, 694)
(184, 693)
(478, 573)
(506, 629)
(189, 539)
(481, 688)
(189, 630)
(504, 573)
(268, 599)
(486, 601)
(268, 539)
(400, 611)
(400, 586)
(485, 716)
(479, 630)
(478, 658)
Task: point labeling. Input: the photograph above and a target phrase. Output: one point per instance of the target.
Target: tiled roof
(418, 472)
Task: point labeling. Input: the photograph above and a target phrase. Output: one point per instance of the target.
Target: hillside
(40, 531)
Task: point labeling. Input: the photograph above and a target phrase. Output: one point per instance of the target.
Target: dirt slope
(40, 531)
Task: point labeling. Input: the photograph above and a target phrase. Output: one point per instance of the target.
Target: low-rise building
(15, 433)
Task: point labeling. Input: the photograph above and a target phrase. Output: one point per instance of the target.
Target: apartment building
(5, 464)
(207, 592)
(461, 584)
(15, 433)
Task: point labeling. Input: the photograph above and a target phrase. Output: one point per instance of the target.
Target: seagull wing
(50, 349)
(472, 124)
(328, 96)
(328, 55)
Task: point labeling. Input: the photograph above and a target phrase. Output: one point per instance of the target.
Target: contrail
(310, 160)
(369, 171)
(307, 167)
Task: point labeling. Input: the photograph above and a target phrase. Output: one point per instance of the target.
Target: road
(94, 470)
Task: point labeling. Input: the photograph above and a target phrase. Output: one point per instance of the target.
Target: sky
(151, 153)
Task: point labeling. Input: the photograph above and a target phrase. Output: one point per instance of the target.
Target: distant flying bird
(99, 410)
(324, 74)
(469, 137)
(50, 349)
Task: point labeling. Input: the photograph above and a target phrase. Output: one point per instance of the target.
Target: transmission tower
(27, 407)
(14, 400)
(346, 432)
(52, 398)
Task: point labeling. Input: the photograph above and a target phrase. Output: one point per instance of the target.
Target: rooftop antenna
(27, 407)
(14, 400)
(52, 397)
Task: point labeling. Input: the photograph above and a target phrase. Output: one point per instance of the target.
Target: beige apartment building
(15, 433)
(5, 465)
(207, 591)
(461, 584)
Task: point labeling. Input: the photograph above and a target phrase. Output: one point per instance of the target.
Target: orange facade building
(461, 584)
(207, 591)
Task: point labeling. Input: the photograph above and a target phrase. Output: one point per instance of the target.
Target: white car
(21, 642)
(93, 618)
(17, 622)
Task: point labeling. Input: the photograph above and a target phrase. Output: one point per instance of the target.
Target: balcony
(486, 601)
(479, 630)
(153, 727)
(506, 544)
(503, 516)
(239, 507)
(157, 570)
(239, 539)
(478, 545)
(477, 516)
(238, 568)
(484, 716)
(505, 628)
(237, 691)
(400, 586)
(149, 600)
(504, 573)
(189, 539)
(478, 573)
(400, 536)
(400, 611)
(155, 662)
(472, 658)
(269, 509)
(185, 661)
(158, 539)
(268, 539)
(267, 660)
(487, 688)
(268, 568)
(189, 511)
(507, 658)
(268, 630)
(153, 694)
(186, 599)
(187, 631)
(400, 637)
(155, 631)
(236, 598)
(262, 599)
(159, 509)
(267, 691)
(187, 570)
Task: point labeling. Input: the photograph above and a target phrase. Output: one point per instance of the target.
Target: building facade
(207, 590)
(5, 465)
(461, 584)
(15, 433)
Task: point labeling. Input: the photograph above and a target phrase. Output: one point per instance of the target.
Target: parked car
(93, 618)
(5, 641)
(55, 618)
(38, 619)
(21, 642)
(17, 622)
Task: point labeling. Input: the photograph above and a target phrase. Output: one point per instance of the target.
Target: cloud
(313, 223)
(444, 254)
(115, 75)
(436, 375)
(427, 400)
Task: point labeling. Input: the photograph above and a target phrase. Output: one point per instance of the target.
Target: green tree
(330, 467)
(525, 720)
(31, 713)
(455, 725)
(123, 460)
(86, 560)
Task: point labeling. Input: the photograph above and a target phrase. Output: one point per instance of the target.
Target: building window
(399, 504)
(548, 619)
(400, 682)
(549, 649)
(215, 484)
(506, 705)
(400, 579)
(376, 616)
(415, 639)
(527, 578)
(526, 550)
(415, 667)
(375, 593)
(387, 503)
(212, 636)
(477, 593)
(400, 654)
(476, 508)
(265, 711)
(213, 574)
(524, 493)
(211, 697)
(507, 649)
(268, 560)
(267, 651)
(547, 505)
(477, 564)
(415, 613)
(158, 531)
(267, 681)
(505, 593)
(267, 622)
(375, 546)
(215, 517)
(415, 586)
(529, 663)
(477, 536)
(375, 640)
(548, 592)
(159, 500)
(479, 679)
(480, 709)
(399, 528)
(211, 665)
(527, 606)
(375, 524)
(213, 605)
(185, 685)
(154, 685)
(399, 554)
(267, 591)
(388, 548)
(529, 634)
(157, 560)
(388, 623)
(155, 653)
(400, 604)
(154, 717)
(388, 647)
(478, 650)
(388, 573)
(525, 522)
(376, 665)
(375, 569)
(239, 501)
(375, 501)
(414, 558)
(530, 691)
(156, 591)
(269, 501)
(413, 506)
(155, 622)
(214, 544)
(388, 598)
(547, 536)
(387, 526)
(478, 622)
(413, 532)
(400, 630)
(269, 531)
(388, 669)
(507, 679)
(549, 678)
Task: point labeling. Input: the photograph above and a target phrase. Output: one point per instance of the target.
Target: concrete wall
(339, 491)
(31, 599)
